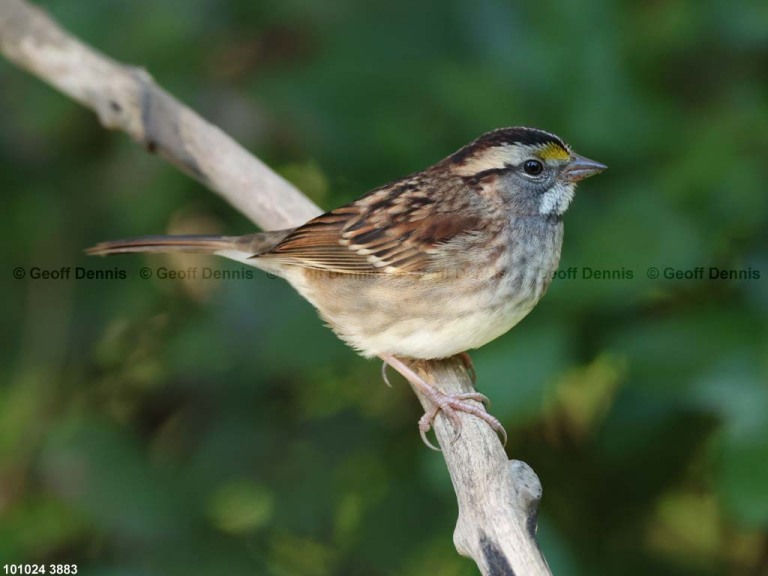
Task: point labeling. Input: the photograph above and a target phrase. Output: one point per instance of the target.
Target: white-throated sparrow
(431, 265)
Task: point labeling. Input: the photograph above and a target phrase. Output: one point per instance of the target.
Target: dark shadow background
(161, 427)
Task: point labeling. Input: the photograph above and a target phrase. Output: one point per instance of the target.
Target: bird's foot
(449, 404)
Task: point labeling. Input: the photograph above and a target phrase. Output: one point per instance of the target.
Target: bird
(428, 266)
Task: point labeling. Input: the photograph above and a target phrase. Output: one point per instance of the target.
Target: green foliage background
(153, 427)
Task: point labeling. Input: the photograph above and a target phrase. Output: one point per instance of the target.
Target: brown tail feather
(252, 244)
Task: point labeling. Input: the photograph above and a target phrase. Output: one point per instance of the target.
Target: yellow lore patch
(554, 152)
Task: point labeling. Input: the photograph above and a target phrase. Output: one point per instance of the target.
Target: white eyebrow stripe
(498, 157)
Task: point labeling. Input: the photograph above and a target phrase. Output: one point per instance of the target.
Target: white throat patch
(556, 199)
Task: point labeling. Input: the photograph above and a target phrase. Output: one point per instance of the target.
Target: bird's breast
(441, 314)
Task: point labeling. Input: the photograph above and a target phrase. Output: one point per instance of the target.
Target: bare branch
(126, 98)
(498, 499)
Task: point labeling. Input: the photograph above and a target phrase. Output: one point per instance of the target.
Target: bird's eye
(533, 167)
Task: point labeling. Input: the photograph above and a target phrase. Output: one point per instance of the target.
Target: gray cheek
(523, 195)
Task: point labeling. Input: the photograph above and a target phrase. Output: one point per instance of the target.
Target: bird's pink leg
(469, 366)
(448, 404)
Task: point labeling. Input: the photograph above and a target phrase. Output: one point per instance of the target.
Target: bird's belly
(433, 317)
(441, 336)
(433, 321)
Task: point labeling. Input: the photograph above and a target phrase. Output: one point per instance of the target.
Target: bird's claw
(450, 405)
(384, 376)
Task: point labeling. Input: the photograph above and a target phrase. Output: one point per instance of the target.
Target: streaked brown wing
(384, 232)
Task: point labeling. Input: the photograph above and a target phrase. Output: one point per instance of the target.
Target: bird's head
(535, 170)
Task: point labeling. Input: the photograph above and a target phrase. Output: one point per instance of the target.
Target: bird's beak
(580, 168)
